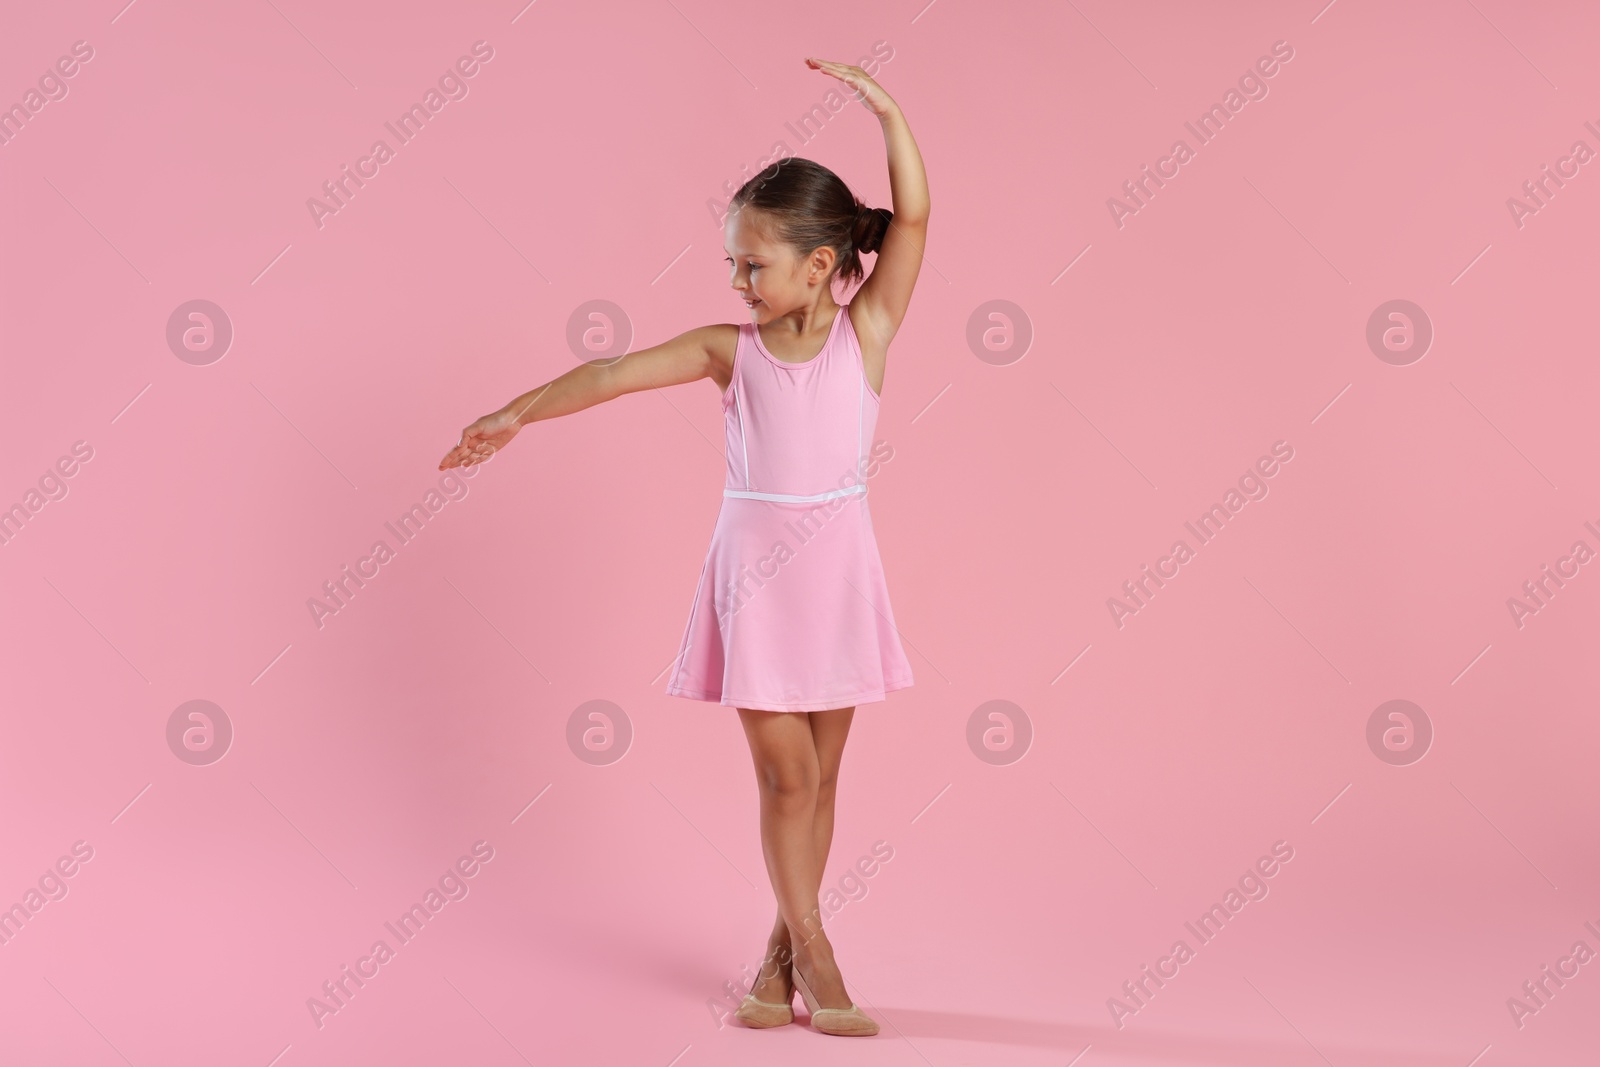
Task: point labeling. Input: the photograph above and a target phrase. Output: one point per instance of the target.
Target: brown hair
(810, 206)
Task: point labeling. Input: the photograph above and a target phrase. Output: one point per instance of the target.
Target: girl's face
(767, 274)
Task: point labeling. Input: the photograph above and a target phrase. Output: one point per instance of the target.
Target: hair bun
(872, 223)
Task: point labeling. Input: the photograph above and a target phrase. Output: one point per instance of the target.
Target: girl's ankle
(814, 955)
(776, 962)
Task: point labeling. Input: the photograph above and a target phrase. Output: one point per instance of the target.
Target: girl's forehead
(746, 238)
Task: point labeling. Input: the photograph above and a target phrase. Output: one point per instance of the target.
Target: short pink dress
(791, 612)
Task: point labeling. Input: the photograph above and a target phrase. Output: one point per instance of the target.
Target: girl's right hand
(481, 440)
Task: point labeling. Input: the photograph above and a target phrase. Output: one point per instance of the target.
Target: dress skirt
(791, 611)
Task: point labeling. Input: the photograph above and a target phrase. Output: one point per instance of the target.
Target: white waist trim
(751, 494)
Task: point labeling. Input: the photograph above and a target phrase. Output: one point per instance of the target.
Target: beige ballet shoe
(841, 1022)
(760, 1014)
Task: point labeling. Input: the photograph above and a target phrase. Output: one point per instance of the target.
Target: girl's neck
(811, 320)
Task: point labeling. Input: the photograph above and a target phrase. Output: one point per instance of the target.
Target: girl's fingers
(459, 453)
(831, 67)
(854, 77)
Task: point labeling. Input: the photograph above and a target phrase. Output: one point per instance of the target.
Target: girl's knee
(790, 782)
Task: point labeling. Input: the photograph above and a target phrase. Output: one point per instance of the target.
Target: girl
(791, 622)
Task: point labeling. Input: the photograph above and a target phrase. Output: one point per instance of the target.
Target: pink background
(1229, 714)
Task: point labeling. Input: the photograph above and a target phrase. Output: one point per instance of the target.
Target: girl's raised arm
(886, 294)
(685, 358)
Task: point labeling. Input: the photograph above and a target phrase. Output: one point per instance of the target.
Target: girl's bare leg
(797, 757)
(829, 730)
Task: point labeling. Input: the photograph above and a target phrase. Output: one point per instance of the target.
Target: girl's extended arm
(685, 358)
(886, 294)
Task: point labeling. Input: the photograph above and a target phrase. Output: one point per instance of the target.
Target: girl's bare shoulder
(721, 342)
(873, 340)
(873, 327)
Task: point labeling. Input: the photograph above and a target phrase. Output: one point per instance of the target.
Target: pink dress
(791, 612)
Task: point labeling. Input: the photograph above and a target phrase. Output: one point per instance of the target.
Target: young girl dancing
(791, 622)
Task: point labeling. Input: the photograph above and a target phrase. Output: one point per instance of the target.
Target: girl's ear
(821, 262)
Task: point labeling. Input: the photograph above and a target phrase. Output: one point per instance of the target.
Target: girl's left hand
(869, 92)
